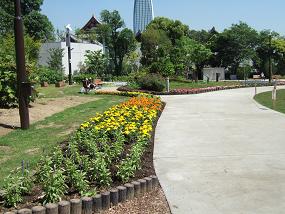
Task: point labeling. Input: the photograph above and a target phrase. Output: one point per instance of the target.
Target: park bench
(98, 83)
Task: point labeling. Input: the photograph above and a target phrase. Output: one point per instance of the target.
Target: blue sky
(198, 14)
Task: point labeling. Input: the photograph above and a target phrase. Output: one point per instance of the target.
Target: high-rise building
(143, 14)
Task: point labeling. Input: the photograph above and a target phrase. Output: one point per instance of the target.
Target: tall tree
(235, 45)
(155, 45)
(36, 24)
(195, 54)
(174, 29)
(119, 41)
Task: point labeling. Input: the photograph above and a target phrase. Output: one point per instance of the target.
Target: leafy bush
(82, 76)
(8, 96)
(45, 74)
(151, 82)
(15, 186)
(54, 186)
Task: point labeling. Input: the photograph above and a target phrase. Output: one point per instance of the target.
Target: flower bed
(105, 149)
(125, 89)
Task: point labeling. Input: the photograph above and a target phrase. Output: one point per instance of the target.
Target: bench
(98, 82)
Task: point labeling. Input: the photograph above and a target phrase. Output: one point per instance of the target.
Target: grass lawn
(200, 84)
(266, 100)
(53, 92)
(30, 145)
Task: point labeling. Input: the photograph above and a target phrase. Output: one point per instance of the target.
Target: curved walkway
(221, 152)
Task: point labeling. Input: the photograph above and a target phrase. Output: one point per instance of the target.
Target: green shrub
(81, 76)
(15, 186)
(151, 82)
(45, 74)
(54, 186)
(8, 98)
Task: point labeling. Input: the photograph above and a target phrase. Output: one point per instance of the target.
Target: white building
(78, 50)
(214, 74)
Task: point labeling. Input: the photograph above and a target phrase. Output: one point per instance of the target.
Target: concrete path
(221, 152)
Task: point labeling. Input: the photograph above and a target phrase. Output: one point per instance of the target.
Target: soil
(151, 203)
(39, 110)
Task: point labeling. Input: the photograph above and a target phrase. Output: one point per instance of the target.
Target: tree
(8, 96)
(96, 63)
(36, 24)
(195, 54)
(55, 59)
(174, 29)
(89, 35)
(118, 41)
(167, 33)
(155, 45)
(235, 45)
(271, 45)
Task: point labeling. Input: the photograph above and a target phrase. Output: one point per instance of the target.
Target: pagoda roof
(92, 23)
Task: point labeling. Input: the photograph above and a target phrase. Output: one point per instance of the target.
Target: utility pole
(270, 59)
(23, 86)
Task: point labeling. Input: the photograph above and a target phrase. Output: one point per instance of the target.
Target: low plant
(45, 74)
(15, 186)
(76, 178)
(54, 186)
(132, 163)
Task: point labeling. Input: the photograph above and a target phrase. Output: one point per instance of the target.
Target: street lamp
(68, 44)
(270, 59)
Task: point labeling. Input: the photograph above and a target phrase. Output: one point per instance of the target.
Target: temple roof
(92, 23)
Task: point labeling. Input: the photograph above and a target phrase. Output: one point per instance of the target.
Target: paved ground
(221, 152)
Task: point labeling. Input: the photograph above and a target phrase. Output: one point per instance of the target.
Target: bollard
(143, 185)
(122, 194)
(154, 181)
(64, 207)
(75, 206)
(39, 210)
(51, 208)
(130, 191)
(137, 188)
(148, 184)
(25, 211)
(87, 205)
(97, 203)
(114, 197)
(105, 200)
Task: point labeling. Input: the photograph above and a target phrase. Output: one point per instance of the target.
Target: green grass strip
(266, 100)
(30, 145)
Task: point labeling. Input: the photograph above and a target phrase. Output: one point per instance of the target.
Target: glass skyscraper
(143, 14)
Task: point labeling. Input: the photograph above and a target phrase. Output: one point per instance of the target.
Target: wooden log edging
(98, 203)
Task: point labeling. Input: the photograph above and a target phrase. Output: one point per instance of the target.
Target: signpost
(23, 87)
(255, 77)
(274, 91)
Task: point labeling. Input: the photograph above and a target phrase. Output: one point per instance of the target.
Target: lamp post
(68, 44)
(23, 87)
(270, 59)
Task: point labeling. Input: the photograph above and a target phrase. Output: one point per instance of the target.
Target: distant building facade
(77, 54)
(143, 15)
(214, 74)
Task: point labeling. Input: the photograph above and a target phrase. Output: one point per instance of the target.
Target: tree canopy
(118, 40)
(36, 24)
